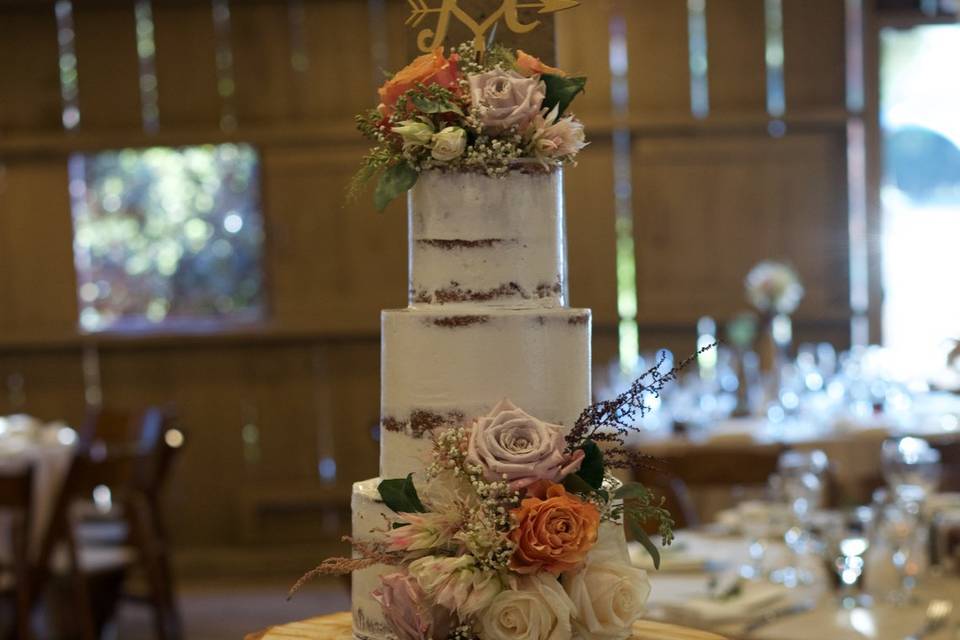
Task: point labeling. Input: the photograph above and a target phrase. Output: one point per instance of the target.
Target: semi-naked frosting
(487, 320)
(487, 241)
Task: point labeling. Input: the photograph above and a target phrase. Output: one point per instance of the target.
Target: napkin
(674, 559)
(753, 598)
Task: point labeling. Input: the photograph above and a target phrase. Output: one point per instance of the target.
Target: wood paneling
(29, 69)
(591, 231)
(186, 65)
(583, 49)
(814, 56)
(332, 266)
(755, 198)
(36, 256)
(108, 69)
(658, 56)
(736, 48)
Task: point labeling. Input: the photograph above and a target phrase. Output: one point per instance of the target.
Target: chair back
(16, 497)
(677, 474)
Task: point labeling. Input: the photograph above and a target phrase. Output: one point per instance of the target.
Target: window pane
(167, 238)
(920, 101)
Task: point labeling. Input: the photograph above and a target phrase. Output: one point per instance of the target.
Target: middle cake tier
(445, 368)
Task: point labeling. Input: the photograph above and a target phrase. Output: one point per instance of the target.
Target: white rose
(414, 133)
(506, 99)
(537, 609)
(608, 592)
(449, 144)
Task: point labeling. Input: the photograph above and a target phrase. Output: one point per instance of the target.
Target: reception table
(339, 627)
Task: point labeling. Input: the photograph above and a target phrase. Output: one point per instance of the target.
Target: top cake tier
(493, 242)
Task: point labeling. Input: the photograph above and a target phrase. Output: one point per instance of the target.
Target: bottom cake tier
(370, 517)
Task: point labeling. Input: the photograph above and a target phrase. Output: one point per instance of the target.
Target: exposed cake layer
(441, 368)
(489, 241)
(370, 519)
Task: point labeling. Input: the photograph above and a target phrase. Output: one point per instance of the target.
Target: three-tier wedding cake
(488, 320)
(496, 515)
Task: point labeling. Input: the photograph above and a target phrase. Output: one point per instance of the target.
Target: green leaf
(635, 527)
(575, 484)
(561, 91)
(633, 490)
(401, 496)
(591, 470)
(428, 105)
(394, 182)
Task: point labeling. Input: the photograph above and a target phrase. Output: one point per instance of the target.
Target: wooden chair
(16, 492)
(678, 474)
(155, 437)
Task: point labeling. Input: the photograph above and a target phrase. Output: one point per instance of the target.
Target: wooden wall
(710, 198)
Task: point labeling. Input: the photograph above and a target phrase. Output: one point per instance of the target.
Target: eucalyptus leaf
(401, 496)
(561, 91)
(395, 181)
(635, 527)
(428, 105)
(591, 470)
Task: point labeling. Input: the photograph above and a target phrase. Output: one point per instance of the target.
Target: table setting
(48, 448)
(783, 567)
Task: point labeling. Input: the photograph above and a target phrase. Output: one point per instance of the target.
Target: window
(920, 99)
(166, 238)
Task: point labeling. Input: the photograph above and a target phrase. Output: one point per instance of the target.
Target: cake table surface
(338, 626)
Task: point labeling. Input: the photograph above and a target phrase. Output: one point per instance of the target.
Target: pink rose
(406, 608)
(510, 444)
(556, 137)
(506, 99)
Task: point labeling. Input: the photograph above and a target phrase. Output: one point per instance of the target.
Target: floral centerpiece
(487, 112)
(516, 528)
(774, 288)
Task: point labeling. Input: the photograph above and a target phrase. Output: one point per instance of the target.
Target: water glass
(906, 539)
(911, 468)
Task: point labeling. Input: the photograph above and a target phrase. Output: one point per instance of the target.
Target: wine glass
(903, 534)
(803, 481)
(911, 468)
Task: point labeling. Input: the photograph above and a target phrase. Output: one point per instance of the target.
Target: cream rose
(510, 444)
(506, 99)
(414, 133)
(536, 609)
(609, 594)
(449, 144)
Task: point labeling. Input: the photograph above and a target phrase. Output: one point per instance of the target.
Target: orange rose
(430, 68)
(554, 530)
(530, 65)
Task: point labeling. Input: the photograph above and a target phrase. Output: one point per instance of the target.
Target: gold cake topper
(429, 39)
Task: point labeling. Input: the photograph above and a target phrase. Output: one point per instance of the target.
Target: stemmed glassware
(803, 478)
(846, 538)
(911, 468)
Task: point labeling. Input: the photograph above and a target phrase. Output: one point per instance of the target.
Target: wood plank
(186, 65)
(29, 69)
(736, 43)
(814, 54)
(261, 62)
(591, 232)
(756, 198)
(36, 239)
(108, 68)
(583, 49)
(658, 55)
(362, 265)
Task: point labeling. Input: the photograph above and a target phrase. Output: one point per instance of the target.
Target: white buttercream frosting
(490, 241)
(439, 369)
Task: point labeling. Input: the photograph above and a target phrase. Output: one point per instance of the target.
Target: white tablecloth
(825, 621)
(49, 449)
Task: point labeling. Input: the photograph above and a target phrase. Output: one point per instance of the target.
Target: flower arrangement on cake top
(515, 530)
(487, 112)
